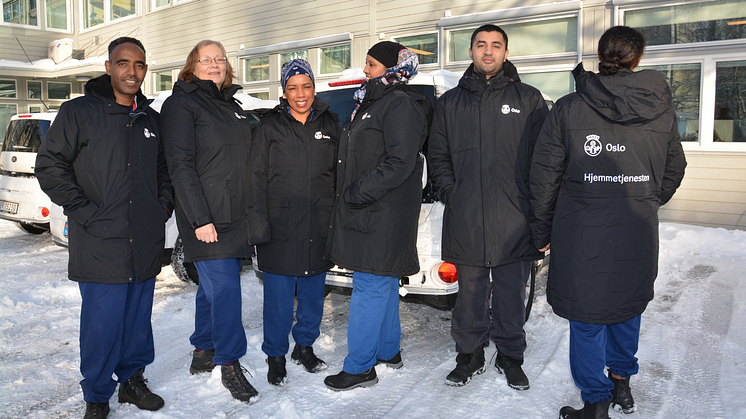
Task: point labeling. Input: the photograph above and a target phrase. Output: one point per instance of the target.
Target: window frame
(21, 25)
(107, 15)
(155, 80)
(59, 82)
(68, 18)
(41, 87)
(319, 55)
(242, 65)
(439, 46)
(15, 89)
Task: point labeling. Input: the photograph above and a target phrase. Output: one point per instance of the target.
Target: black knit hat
(386, 52)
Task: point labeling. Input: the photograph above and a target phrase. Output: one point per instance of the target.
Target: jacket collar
(475, 81)
(319, 107)
(101, 87)
(207, 87)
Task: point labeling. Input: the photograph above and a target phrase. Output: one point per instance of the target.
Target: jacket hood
(475, 81)
(208, 87)
(101, 86)
(626, 97)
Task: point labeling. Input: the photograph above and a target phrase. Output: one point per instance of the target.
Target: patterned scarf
(401, 73)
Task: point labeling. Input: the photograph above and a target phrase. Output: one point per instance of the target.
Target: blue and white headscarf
(293, 68)
(406, 68)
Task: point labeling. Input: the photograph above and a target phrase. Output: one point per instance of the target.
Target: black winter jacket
(104, 164)
(379, 185)
(480, 150)
(608, 156)
(293, 174)
(207, 138)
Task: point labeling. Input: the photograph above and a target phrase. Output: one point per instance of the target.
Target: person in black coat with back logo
(374, 220)
(608, 156)
(207, 138)
(102, 160)
(293, 163)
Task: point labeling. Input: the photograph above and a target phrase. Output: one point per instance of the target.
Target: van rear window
(25, 135)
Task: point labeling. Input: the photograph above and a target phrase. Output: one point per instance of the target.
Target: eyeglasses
(207, 60)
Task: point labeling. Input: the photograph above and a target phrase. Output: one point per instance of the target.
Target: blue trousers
(279, 294)
(595, 346)
(471, 325)
(217, 320)
(373, 329)
(116, 336)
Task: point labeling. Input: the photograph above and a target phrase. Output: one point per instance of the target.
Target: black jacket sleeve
(177, 127)
(675, 165)
(259, 231)
(54, 166)
(439, 155)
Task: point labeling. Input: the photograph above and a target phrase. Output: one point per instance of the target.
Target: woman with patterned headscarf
(293, 166)
(374, 220)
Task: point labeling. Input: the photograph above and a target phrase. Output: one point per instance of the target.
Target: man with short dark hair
(102, 160)
(481, 142)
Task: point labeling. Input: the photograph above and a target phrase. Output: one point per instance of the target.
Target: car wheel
(186, 271)
(30, 228)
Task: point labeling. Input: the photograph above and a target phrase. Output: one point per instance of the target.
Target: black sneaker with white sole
(467, 366)
(346, 381)
(394, 362)
(513, 372)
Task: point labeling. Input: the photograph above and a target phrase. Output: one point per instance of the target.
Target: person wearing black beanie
(386, 52)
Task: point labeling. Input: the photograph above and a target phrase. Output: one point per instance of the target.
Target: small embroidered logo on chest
(148, 134)
(319, 136)
(366, 115)
(239, 116)
(506, 109)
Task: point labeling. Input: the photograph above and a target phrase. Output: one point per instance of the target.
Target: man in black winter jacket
(102, 160)
(481, 141)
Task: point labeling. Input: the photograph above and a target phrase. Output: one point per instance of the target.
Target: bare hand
(545, 248)
(207, 233)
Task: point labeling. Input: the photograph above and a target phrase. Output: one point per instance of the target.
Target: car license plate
(9, 207)
(64, 232)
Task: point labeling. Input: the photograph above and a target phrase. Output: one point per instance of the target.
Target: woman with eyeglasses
(207, 138)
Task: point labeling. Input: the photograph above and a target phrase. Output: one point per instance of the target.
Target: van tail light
(25, 115)
(346, 82)
(447, 273)
(45, 212)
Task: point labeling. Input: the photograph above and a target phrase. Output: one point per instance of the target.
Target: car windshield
(25, 135)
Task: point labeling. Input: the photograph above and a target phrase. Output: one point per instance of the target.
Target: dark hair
(620, 47)
(187, 72)
(489, 28)
(123, 40)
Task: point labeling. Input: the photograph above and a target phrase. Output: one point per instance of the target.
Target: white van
(21, 198)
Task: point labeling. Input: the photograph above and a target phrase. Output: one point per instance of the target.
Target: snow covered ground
(692, 349)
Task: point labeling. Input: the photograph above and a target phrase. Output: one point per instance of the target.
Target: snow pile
(691, 349)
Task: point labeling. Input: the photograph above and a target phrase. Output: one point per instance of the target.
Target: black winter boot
(135, 391)
(202, 361)
(234, 380)
(304, 355)
(513, 372)
(598, 410)
(467, 366)
(394, 362)
(347, 381)
(621, 395)
(96, 410)
(277, 375)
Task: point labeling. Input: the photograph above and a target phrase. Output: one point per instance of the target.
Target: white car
(21, 198)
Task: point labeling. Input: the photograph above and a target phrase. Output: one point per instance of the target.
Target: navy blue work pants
(116, 336)
(595, 346)
(279, 295)
(217, 318)
(373, 328)
(471, 325)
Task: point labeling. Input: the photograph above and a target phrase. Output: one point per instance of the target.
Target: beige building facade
(699, 46)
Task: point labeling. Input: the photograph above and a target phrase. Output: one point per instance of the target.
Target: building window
(58, 90)
(256, 69)
(20, 12)
(160, 3)
(34, 109)
(56, 12)
(730, 102)
(34, 89)
(689, 23)
(554, 84)
(122, 8)
(425, 46)
(260, 95)
(289, 56)
(93, 13)
(335, 59)
(684, 81)
(7, 89)
(164, 80)
(6, 111)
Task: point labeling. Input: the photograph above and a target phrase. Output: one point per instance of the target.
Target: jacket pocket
(277, 213)
(219, 202)
(357, 219)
